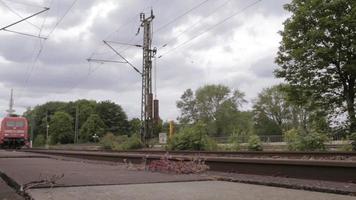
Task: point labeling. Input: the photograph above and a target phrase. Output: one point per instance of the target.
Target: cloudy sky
(231, 42)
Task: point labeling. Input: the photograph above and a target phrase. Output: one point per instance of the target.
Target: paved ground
(104, 180)
(25, 170)
(7, 193)
(206, 190)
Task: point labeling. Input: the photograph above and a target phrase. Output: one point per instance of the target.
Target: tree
(277, 110)
(272, 112)
(215, 105)
(187, 106)
(135, 126)
(318, 53)
(113, 116)
(93, 125)
(61, 128)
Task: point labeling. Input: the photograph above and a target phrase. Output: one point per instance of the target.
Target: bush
(353, 139)
(39, 141)
(108, 141)
(234, 143)
(312, 141)
(122, 142)
(291, 137)
(192, 138)
(254, 143)
(133, 142)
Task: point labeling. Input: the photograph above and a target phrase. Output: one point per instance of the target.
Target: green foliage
(254, 143)
(108, 141)
(317, 54)
(135, 126)
(353, 139)
(113, 117)
(93, 125)
(291, 137)
(40, 141)
(61, 128)
(313, 141)
(234, 142)
(109, 112)
(193, 137)
(133, 142)
(215, 105)
(121, 142)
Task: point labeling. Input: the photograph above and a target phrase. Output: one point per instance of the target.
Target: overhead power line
(194, 25)
(180, 16)
(42, 45)
(210, 28)
(17, 14)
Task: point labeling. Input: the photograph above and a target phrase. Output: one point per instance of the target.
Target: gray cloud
(62, 72)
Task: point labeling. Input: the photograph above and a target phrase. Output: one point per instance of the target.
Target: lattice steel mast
(147, 95)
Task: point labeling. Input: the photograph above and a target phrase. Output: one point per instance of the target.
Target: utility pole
(147, 95)
(11, 110)
(76, 124)
(32, 128)
(47, 129)
(149, 107)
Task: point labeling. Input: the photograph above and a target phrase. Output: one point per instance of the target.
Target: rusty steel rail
(330, 170)
(247, 154)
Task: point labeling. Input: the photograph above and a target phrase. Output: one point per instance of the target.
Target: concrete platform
(205, 190)
(7, 193)
(25, 170)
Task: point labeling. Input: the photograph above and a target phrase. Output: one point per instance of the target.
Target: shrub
(254, 143)
(353, 139)
(122, 142)
(39, 141)
(194, 137)
(234, 141)
(291, 137)
(133, 142)
(108, 141)
(313, 141)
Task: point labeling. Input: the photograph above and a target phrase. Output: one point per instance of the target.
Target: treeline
(93, 118)
(274, 112)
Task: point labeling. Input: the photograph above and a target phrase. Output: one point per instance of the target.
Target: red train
(14, 132)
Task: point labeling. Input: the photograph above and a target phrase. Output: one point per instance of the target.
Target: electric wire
(193, 25)
(17, 14)
(42, 44)
(26, 4)
(210, 28)
(180, 16)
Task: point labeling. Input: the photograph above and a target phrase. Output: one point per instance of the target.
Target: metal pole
(76, 124)
(147, 100)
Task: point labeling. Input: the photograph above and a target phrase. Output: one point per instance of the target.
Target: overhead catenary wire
(42, 44)
(210, 28)
(17, 14)
(193, 25)
(23, 3)
(170, 22)
(180, 16)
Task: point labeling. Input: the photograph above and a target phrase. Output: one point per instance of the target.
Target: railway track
(280, 164)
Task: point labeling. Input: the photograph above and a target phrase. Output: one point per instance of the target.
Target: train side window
(10, 124)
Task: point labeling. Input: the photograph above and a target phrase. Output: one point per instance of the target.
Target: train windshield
(18, 124)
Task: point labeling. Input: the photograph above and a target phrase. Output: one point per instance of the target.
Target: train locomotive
(13, 129)
(14, 132)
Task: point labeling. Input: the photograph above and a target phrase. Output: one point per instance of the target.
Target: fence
(267, 138)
